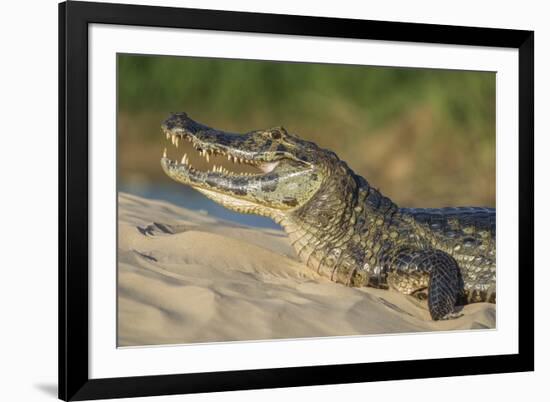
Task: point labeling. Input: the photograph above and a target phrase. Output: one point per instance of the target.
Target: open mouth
(254, 172)
(199, 160)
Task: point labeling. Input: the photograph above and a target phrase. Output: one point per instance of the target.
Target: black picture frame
(74, 381)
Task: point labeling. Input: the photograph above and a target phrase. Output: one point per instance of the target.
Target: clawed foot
(451, 316)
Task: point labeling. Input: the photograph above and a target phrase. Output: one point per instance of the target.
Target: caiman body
(339, 224)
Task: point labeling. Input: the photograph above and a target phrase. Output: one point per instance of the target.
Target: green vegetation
(425, 137)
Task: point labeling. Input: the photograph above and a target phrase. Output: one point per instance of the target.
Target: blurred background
(424, 137)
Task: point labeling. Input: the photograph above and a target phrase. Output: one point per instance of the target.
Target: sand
(187, 277)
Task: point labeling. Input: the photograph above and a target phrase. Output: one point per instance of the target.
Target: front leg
(411, 270)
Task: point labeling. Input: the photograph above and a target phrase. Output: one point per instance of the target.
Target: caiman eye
(276, 135)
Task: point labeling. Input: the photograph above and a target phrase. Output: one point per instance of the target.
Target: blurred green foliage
(426, 136)
(236, 88)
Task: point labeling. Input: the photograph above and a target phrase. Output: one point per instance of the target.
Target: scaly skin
(339, 224)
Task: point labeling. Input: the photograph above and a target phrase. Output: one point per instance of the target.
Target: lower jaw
(237, 204)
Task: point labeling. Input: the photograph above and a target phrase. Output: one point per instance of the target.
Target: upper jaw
(209, 142)
(218, 147)
(251, 148)
(208, 147)
(221, 146)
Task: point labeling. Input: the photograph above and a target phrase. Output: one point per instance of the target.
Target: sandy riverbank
(184, 276)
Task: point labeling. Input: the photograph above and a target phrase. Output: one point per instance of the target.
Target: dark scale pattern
(346, 229)
(361, 238)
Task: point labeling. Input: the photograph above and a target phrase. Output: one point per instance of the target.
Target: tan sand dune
(186, 277)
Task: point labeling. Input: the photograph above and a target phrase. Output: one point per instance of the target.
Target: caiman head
(284, 171)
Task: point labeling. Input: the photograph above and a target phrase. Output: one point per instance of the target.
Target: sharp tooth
(177, 141)
(164, 153)
(207, 158)
(167, 135)
(185, 158)
(173, 138)
(214, 168)
(229, 157)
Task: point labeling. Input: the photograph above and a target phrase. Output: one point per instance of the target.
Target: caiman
(339, 224)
